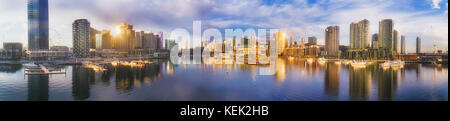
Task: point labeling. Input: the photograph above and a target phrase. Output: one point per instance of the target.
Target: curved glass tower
(38, 25)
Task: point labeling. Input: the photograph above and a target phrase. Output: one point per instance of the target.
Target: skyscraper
(104, 40)
(160, 40)
(38, 25)
(403, 48)
(332, 41)
(138, 39)
(375, 42)
(81, 29)
(281, 42)
(386, 34)
(93, 41)
(395, 41)
(125, 41)
(312, 40)
(150, 41)
(359, 34)
(418, 45)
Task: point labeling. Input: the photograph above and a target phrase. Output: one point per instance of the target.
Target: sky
(298, 18)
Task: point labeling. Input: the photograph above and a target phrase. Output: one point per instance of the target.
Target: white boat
(309, 60)
(338, 62)
(322, 60)
(386, 65)
(346, 62)
(359, 64)
(115, 63)
(31, 66)
(393, 64)
(397, 64)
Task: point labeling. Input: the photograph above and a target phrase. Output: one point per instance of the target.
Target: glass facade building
(38, 25)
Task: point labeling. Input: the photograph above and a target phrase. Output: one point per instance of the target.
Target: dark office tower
(38, 25)
(375, 42)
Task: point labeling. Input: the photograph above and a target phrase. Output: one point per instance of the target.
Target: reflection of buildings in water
(332, 72)
(169, 68)
(403, 73)
(101, 78)
(38, 87)
(81, 78)
(359, 84)
(10, 68)
(280, 75)
(128, 77)
(418, 70)
(387, 83)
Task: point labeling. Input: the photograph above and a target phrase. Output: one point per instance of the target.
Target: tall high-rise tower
(418, 45)
(395, 41)
(386, 34)
(332, 41)
(81, 29)
(38, 25)
(403, 48)
(359, 34)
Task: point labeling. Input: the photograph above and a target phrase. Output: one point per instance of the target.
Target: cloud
(435, 4)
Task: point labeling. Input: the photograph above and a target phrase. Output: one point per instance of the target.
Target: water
(296, 80)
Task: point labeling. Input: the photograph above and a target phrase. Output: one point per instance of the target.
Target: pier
(33, 69)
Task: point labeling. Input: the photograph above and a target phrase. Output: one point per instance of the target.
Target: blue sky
(299, 18)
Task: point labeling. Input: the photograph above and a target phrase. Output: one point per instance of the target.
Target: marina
(160, 80)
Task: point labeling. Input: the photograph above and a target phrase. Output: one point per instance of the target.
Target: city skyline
(406, 20)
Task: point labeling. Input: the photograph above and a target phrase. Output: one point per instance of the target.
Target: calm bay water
(296, 80)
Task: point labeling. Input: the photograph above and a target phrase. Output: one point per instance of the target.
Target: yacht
(394, 64)
(397, 64)
(346, 62)
(309, 60)
(359, 64)
(338, 62)
(115, 63)
(322, 60)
